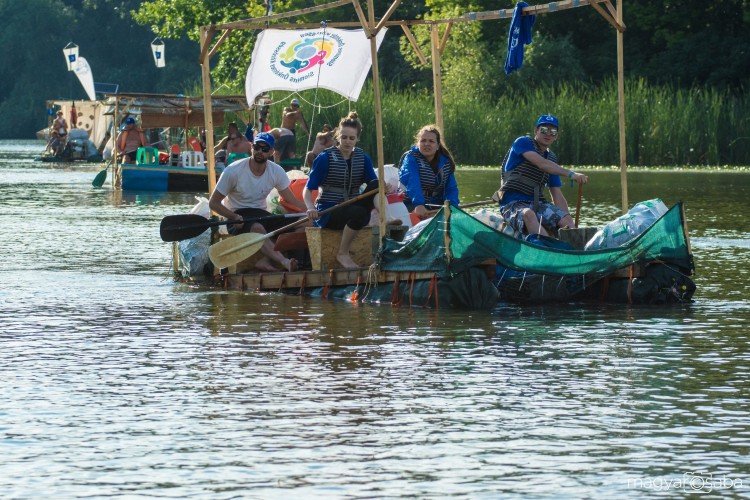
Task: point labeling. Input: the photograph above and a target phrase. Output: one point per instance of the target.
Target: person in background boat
(233, 142)
(292, 116)
(323, 140)
(528, 167)
(285, 144)
(129, 140)
(241, 193)
(59, 133)
(427, 171)
(338, 172)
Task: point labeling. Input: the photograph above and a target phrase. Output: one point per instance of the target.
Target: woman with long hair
(427, 171)
(337, 173)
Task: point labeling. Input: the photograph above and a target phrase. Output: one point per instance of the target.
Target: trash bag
(628, 226)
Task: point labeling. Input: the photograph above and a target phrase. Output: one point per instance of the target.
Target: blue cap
(129, 120)
(264, 137)
(548, 120)
(295, 102)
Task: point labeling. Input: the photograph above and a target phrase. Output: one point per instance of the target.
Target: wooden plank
(313, 279)
(621, 111)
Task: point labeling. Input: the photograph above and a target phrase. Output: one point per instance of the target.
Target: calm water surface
(119, 381)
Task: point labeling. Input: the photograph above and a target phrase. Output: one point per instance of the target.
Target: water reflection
(121, 382)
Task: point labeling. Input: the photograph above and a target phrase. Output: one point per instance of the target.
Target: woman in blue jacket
(427, 172)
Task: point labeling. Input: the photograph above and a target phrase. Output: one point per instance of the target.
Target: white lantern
(157, 48)
(71, 56)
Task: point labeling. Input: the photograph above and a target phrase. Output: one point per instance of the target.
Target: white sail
(83, 72)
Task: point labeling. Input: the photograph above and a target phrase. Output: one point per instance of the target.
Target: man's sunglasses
(547, 130)
(264, 149)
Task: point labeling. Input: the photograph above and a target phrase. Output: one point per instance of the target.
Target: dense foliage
(693, 55)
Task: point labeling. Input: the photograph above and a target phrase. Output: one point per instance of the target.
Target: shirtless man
(290, 118)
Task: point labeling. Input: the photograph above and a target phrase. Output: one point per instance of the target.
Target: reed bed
(665, 125)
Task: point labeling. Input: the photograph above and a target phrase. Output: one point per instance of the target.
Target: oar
(101, 176)
(578, 203)
(183, 227)
(238, 248)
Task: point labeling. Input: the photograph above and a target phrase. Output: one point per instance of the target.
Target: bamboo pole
(207, 108)
(437, 78)
(621, 107)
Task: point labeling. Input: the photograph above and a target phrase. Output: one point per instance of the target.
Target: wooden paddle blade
(182, 227)
(230, 251)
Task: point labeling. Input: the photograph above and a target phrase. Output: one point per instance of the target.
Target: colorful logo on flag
(295, 62)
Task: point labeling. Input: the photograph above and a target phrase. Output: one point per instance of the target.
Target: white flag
(83, 72)
(294, 60)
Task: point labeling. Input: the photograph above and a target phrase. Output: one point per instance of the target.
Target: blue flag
(518, 36)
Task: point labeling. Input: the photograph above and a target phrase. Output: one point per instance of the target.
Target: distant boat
(169, 164)
(86, 138)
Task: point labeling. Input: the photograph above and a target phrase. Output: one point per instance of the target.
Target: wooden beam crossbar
(257, 22)
(414, 44)
(470, 17)
(219, 43)
(608, 17)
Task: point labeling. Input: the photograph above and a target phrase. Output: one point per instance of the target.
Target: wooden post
(437, 79)
(621, 103)
(383, 202)
(207, 110)
(447, 235)
(115, 137)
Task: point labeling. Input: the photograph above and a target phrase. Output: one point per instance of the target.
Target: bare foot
(265, 264)
(346, 261)
(291, 265)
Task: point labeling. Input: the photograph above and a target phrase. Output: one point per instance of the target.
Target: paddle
(183, 227)
(101, 176)
(578, 203)
(238, 248)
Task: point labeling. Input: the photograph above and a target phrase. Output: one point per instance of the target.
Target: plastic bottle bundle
(194, 251)
(628, 226)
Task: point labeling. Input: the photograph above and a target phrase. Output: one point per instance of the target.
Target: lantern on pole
(157, 48)
(71, 56)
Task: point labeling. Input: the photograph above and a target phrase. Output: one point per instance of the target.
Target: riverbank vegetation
(686, 65)
(665, 125)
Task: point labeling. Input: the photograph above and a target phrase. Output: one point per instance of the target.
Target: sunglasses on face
(264, 149)
(547, 130)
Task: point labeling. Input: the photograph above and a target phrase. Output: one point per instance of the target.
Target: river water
(119, 381)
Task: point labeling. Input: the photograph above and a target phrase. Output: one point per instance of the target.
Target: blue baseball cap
(264, 137)
(548, 120)
(129, 120)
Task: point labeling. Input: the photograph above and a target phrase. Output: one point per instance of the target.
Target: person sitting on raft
(427, 172)
(241, 193)
(528, 167)
(338, 172)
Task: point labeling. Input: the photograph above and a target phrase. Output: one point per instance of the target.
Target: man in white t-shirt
(241, 194)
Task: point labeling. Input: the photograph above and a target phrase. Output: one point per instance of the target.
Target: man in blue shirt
(530, 166)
